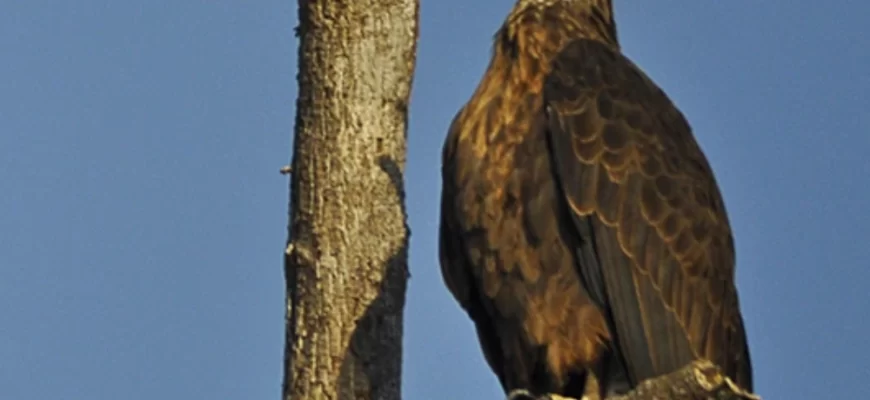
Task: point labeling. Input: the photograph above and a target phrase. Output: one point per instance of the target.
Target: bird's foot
(523, 394)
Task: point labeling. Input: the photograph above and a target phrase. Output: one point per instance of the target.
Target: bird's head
(605, 6)
(565, 19)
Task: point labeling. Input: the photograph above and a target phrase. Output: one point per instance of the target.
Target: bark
(697, 381)
(346, 258)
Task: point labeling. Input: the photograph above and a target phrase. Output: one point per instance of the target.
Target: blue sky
(143, 218)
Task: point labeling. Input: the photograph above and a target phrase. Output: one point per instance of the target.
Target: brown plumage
(581, 225)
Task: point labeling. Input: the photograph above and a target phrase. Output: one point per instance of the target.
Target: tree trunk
(346, 259)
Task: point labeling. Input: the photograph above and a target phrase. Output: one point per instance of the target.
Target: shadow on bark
(374, 359)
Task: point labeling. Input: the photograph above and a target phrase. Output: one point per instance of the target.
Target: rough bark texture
(699, 380)
(346, 261)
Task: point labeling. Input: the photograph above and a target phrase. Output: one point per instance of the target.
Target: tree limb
(698, 380)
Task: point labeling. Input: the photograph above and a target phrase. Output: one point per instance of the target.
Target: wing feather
(661, 257)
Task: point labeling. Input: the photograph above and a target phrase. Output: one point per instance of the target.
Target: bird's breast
(510, 214)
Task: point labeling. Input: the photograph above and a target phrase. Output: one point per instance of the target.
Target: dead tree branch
(696, 381)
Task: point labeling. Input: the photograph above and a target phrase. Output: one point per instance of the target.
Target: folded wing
(659, 255)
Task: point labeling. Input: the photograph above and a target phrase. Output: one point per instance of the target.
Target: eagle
(581, 226)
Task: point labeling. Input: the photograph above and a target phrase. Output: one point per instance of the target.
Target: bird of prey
(581, 226)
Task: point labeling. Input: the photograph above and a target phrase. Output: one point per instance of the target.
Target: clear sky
(143, 217)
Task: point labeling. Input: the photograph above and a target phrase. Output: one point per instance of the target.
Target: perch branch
(698, 380)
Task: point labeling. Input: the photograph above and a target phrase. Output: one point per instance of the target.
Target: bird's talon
(522, 394)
